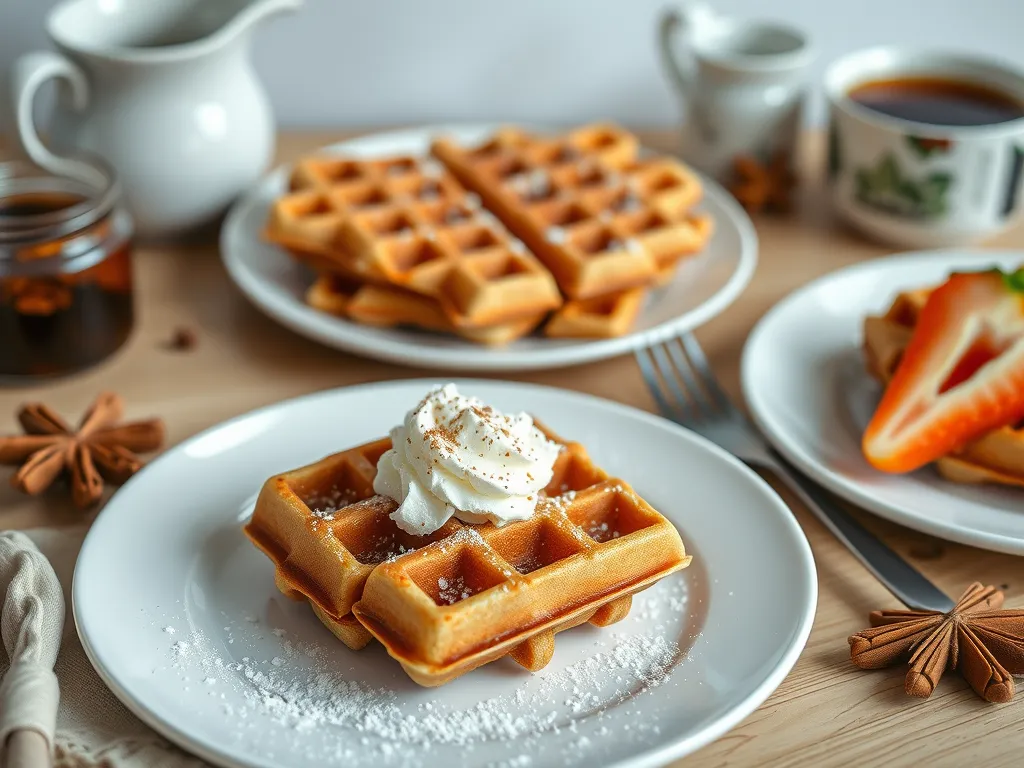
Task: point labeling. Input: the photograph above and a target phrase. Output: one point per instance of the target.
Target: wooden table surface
(827, 712)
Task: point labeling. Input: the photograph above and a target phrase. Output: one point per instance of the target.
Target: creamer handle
(677, 30)
(28, 74)
(679, 74)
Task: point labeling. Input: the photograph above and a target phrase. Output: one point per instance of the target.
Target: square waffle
(600, 317)
(405, 222)
(325, 530)
(485, 592)
(325, 190)
(386, 306)
(996, 457)
(599, 217)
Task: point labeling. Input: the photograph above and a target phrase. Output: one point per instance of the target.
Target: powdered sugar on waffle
(531, 185)
(453, 590)
(329, 501)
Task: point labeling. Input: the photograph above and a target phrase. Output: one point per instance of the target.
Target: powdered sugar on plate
(334, 711)
(326, 698)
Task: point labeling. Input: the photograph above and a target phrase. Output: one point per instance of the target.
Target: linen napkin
(92, 727)
(31, 625)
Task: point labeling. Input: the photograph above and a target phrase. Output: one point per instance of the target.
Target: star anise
(759, 186)
(984, 643)
(99, 449)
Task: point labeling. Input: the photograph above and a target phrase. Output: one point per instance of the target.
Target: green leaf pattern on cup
(886, 187)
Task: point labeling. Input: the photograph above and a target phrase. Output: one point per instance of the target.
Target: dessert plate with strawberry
(899, 385)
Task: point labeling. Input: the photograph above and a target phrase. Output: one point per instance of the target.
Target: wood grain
(827, 712)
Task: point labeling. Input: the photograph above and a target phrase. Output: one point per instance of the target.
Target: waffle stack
(397, 241)
(997, 457)
(446, 603)
(606, 222)
(578, 224)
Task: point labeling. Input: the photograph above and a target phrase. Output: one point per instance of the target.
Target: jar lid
(36, 205)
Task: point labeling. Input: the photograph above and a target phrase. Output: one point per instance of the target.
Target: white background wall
(372, 62)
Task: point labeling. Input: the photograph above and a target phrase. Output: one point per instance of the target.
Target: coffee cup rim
(867, 64)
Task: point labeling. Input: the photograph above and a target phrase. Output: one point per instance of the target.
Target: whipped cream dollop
(455, 456)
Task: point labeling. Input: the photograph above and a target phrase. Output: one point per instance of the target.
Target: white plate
(807, 388)
(703, 286)
(166, 563)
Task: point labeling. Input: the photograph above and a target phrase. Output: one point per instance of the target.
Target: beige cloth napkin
(31, 625)
(93, 728)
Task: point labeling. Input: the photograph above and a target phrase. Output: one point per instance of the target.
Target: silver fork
(686, 391)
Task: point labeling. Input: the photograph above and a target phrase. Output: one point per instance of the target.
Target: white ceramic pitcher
(742, 85)
(163, 90)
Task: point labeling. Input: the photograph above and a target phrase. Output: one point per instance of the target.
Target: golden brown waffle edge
(486, 591)
(326, 555)
(600, 217)
(405, 225)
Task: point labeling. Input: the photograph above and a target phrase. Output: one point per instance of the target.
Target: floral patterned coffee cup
(921, 184)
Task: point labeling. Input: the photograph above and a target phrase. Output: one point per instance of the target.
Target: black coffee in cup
(938, 101)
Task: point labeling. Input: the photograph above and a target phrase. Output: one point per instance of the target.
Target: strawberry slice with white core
(961, 375)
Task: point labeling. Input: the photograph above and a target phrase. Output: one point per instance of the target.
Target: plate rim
(461, 358)
(672, 750)
(795, 451)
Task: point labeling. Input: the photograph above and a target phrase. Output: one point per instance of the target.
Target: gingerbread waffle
(597, 215)
(325, 530)
(600, 317)
(325, 190)
(406, 223)
(386, 306)
(996, 457)
(485, 592)
(599, 220)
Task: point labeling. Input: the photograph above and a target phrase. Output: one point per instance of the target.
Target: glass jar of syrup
(65, 271)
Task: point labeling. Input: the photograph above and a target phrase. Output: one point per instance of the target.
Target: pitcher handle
(691, 20)
(29, 73)
(681, 74)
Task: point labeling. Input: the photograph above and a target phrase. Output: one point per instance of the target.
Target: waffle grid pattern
(326, 530)
(485, 592)
(328, 534)
(601, 218)
(406, 223)
(399, 242)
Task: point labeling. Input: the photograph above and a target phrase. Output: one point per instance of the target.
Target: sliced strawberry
(961, 375)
